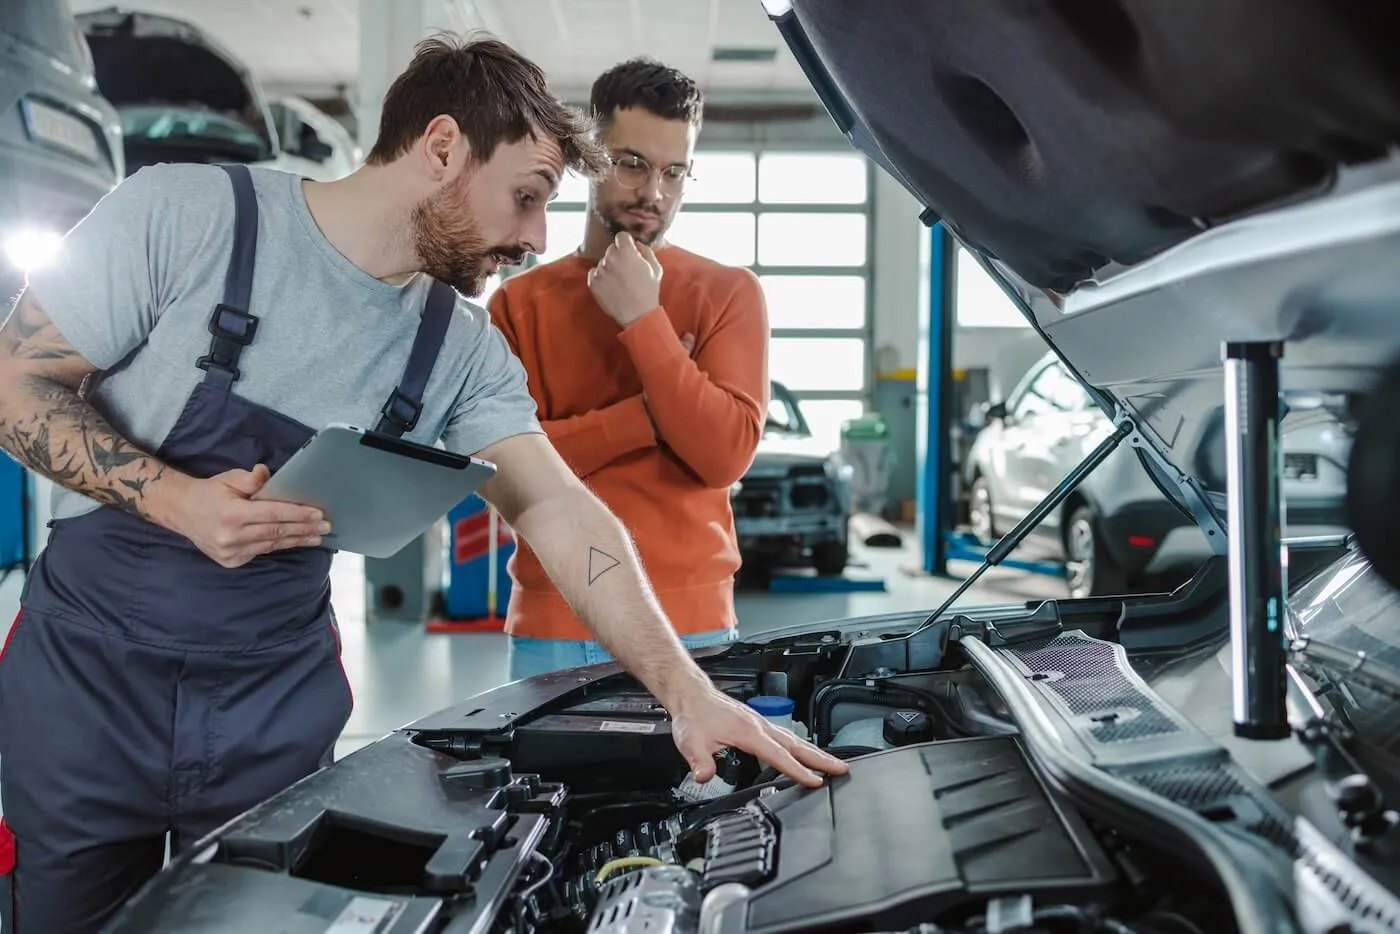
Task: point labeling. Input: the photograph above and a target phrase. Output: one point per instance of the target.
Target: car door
(1027, 435)
(1056, 425)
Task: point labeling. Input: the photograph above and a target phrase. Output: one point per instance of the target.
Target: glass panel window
(812, 178)
(722, 178)
(977, 299)
(811, 240)
(491, 285)
(835, 364)
(722, 237)
(826, 416)
(814, 301)
(563, 233)
(573, 189)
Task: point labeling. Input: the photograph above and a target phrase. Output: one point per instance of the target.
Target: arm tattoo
(52, 430)
(599, 563)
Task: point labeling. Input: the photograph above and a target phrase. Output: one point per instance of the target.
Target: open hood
(1147, 180)
(146, 63)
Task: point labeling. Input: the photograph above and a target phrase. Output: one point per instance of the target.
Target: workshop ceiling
(313, 45)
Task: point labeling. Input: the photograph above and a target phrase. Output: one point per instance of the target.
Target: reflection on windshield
(176, 124)
(1349, 608)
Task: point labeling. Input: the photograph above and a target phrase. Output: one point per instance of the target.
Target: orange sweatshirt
(658, 433)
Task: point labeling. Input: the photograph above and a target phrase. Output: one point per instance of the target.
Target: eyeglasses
(632, 171)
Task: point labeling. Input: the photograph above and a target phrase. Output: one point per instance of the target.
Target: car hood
(150, 60)
(781, 451)
(1146, 181)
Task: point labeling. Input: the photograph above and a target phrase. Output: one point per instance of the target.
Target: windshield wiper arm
(1358, 801)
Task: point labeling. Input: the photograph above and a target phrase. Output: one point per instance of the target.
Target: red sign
(471, 536)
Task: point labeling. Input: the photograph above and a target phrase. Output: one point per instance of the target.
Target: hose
(625, 862)
(880, 694)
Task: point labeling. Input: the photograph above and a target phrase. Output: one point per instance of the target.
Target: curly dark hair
(496, 95)
(648, 84)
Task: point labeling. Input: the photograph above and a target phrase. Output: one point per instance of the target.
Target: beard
(450, 244)
(615, 221)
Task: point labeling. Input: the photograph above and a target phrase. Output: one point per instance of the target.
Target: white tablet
(378, 492)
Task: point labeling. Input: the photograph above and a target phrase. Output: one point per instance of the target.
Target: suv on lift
(60, 141)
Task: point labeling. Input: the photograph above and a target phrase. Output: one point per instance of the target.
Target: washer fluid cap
(904, 727)
(770, 705)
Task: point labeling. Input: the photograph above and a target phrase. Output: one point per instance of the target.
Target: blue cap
(772, 706)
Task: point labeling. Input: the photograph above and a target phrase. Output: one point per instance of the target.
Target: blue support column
(16, 516)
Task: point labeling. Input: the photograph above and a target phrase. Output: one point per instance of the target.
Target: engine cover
(906, 836)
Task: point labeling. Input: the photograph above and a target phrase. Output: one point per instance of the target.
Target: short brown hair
(646, 83)
(496, 95)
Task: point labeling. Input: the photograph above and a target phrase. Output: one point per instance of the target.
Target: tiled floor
(400, 673)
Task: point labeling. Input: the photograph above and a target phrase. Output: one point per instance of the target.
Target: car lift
(938, 535)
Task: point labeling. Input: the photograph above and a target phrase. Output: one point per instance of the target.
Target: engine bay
(1004, 776)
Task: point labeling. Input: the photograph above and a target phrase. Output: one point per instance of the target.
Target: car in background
(310, 136)
(184, 97)
(60, 140)
(1117, 533)
(793, 505)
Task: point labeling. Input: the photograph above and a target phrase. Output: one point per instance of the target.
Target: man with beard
(650, 367)
(176, 660)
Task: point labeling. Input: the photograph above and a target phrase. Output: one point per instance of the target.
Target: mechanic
(650, 367)
(176, 658)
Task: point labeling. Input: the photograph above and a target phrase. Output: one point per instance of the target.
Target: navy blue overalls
(144, 687)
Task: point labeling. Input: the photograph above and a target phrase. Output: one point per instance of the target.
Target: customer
(177, 658)
(650, 367)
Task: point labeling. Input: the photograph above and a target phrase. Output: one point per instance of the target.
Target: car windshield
(1346, 629)
(199, 128)
(784, 415)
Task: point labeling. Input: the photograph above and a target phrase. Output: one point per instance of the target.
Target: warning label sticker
(365, 916)
(627, 726)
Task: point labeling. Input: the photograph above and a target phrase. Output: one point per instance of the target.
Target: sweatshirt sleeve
(709, 409)
(590, 441)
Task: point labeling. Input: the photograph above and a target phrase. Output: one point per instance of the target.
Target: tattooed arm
(49, 427)
(590, 558)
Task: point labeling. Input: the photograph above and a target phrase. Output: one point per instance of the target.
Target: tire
(829, 559)
(1090, 571)
(979, 512)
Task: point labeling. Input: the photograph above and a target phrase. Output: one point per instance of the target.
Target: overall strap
(405, 404)
(233, 328)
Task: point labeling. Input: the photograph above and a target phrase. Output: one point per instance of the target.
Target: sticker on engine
(365, 916)
(626, 726)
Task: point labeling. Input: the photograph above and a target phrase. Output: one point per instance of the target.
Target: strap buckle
(233, 329)
(401, 410)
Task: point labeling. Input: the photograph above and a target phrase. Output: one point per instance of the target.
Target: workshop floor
(400, 673)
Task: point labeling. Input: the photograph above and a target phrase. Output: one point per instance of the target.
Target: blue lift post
(939, 536)
(16, 535)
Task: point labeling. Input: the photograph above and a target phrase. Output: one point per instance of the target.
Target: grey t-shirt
(137, 280)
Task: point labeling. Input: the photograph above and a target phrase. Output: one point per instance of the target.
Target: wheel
(979, 512)
(829, 559)
(1090, 570)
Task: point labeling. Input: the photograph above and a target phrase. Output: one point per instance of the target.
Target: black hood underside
(1062, 136)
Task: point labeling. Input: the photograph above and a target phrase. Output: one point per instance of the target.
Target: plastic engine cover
(907, 835)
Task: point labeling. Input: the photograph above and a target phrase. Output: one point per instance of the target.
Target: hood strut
(1253, 457)
(1049, 504)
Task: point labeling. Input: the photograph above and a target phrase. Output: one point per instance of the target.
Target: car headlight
(32, 249)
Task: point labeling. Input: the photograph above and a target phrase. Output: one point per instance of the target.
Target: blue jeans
(530, 656)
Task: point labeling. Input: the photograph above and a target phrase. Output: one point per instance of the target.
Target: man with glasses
(649, 365)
